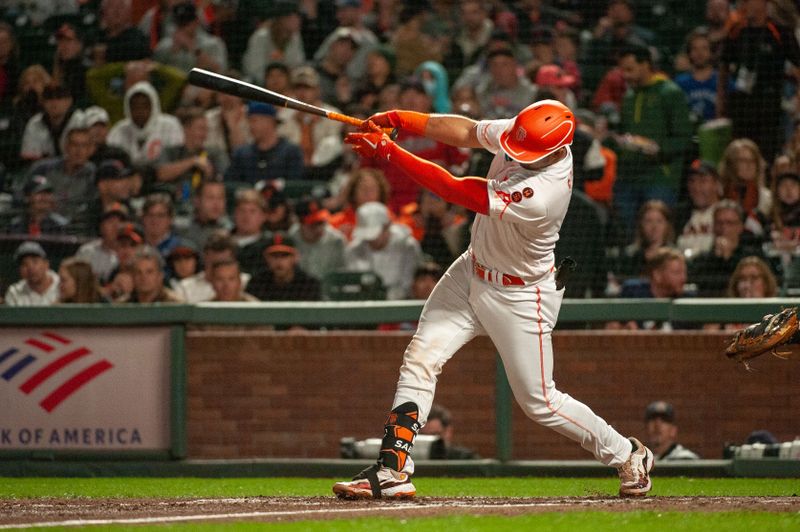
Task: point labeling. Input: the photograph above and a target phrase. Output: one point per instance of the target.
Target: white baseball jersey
(504, 287)
(526, 210)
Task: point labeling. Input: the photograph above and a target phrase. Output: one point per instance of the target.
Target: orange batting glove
(374, 144)
(410, 121)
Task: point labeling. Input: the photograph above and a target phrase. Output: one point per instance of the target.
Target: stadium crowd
(122, 183)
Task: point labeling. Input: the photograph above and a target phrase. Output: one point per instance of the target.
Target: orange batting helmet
(538, 130)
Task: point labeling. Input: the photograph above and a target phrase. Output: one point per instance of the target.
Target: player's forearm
(454, 130)
(469, 192)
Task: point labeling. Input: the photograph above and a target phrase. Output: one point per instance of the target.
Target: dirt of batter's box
(264, 509)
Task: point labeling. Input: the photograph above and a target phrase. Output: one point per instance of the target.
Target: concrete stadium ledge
(318, 468)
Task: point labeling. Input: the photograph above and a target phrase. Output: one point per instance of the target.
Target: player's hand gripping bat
(248, 91)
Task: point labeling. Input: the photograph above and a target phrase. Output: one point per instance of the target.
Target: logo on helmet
(521, 134)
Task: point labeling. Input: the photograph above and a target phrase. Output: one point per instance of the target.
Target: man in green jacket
(653, 139)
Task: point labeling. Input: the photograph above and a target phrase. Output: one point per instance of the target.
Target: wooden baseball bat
(248, 91)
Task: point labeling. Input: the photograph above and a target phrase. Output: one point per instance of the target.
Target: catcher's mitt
(773, 331)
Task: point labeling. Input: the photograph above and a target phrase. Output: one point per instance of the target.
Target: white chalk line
(247, 515)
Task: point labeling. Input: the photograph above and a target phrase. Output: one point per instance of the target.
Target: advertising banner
(85, 389)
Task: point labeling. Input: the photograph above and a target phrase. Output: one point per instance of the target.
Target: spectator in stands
(475, 30)
(718, 13)
(77, 283)
(712, 269)
(39, 217)
(183, 262)
(662, 433)
(700, 82)
(182, 168)
(70, 64)
(654, 231)
(785, 220)
(209, 213)
(121, 286)
(113, 184)
(335, 85)
(655, 133)
(413, 97)
(249, 217)
(379, 74)
(613, 33)
(552, 78)
(319, 139)
(158, 215)
(30, 91)
(226, 280)
(72, 177)
(129, 241)
(505, 91)
(45, 133)
(277, 40)
(25, 102)
(752, 278)
(425, 278)
(101, 253)
(753, 58)
(279, 211)
(435, 81)
(39, 284)
(148, 279)
(97, 120)
(104, 82)
(228, 128)
(364, 185)
(411, 40)
(385, 248)
(695, 216)
(321, 247)
(190, 45)
(9, 63)
(277, 77)
(270, 156)
(283, 279)
(436, 226)
(145, 130)
(440, 423)
(120, 40)
(665, 278)
(350, 16)
(197, 288)
(743, 171)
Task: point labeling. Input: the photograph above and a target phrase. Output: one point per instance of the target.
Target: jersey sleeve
(489, 132)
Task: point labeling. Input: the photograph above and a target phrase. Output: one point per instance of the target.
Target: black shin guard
(401, 428)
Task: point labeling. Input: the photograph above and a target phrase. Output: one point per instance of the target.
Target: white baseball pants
(519, 320)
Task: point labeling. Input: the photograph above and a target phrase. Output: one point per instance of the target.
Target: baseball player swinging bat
(248, 91)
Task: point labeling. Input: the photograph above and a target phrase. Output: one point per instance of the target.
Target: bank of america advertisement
(85, 389)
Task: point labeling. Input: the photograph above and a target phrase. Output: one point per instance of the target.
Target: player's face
(703, 190)
(147, 276)
(249, 218)
(227, 283)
